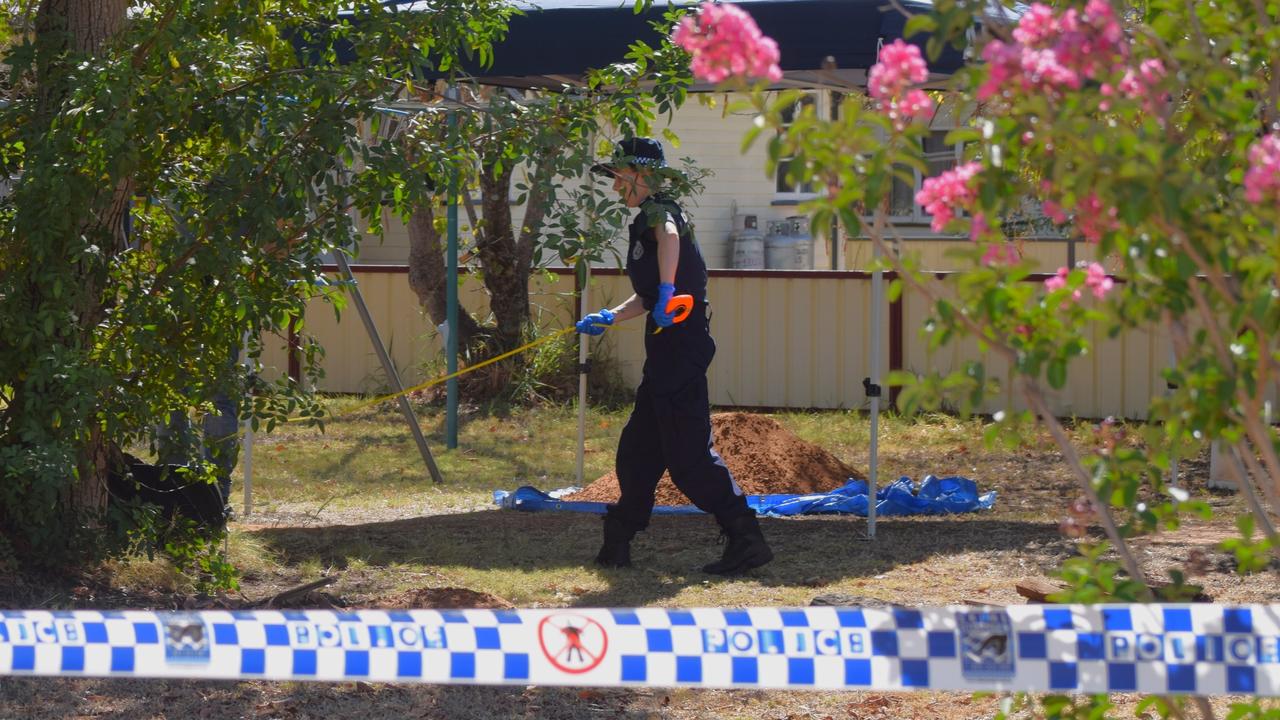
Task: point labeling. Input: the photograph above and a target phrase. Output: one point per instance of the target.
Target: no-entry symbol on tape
(572, 643)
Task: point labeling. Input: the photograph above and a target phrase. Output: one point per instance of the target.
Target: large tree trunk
(427, 274)
(67, 30)
(504, 277)
(505, 258)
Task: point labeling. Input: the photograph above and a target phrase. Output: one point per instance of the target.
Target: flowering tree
(1148, 129)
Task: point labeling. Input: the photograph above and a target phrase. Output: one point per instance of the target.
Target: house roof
(822, 42)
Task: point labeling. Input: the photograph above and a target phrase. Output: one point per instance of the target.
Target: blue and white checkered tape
(1178, 649)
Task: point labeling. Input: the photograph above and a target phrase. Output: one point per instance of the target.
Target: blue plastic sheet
(935, 496)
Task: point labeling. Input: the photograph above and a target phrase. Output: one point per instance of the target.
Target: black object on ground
(174, 488)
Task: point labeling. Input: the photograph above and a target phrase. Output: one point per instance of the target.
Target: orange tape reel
(680, 306)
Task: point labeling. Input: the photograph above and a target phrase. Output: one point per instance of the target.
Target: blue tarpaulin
(935, 496)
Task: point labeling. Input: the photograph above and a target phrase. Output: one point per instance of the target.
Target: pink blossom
(1144, 84)
(1054, 211)
(1037, 27)
(1262, 181)
(900, 66)
(1059, 281)
(978, 227)
(725, 42)
(915, 105)
(1000, 254)
(1051, 208)
(890, 81)
(953, 190)
(1004, 65)
(1097, 280)
(1055, 52)
(1094, 219)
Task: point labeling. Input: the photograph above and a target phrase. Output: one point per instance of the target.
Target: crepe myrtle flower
(725, 42)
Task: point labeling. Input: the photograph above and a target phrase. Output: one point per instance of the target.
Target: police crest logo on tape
(186, 639)
(987, 645)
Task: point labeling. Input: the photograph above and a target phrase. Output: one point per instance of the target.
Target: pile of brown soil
(443, 598)
(764, 457)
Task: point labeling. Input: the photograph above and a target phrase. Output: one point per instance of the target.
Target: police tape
(1166, 649)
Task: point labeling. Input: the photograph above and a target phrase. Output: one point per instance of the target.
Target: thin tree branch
(140, 52)
(1251, 497)
(1256, 471)
(1035, 397)
(1203, 706)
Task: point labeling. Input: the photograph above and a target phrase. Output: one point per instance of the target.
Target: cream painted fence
(785, 339)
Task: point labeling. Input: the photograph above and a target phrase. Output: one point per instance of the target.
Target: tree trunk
(66, 31)
(504, 277)
(506, 260)
(427, 274)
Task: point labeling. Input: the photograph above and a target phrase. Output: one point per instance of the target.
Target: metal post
(451, 307)
(390, 369)
(584, 272)
(1169, 388)
(872, 386)
(246, 438)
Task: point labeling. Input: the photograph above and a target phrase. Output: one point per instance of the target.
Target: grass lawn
(356, 501)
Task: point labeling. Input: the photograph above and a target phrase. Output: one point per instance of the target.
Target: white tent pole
(1169, 388)
(246, 440)
(872, 387)
(582, 378)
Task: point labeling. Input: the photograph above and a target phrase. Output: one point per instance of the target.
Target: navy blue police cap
(634, 152)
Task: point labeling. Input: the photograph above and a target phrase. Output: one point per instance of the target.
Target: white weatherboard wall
(709, 136)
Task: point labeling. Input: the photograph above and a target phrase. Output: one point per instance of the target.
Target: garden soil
(764, 457)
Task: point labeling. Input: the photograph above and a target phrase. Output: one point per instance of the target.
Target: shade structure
(823, 42)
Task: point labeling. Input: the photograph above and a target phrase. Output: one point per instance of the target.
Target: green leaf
(919, 23)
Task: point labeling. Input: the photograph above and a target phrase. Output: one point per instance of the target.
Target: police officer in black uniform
(670, 426)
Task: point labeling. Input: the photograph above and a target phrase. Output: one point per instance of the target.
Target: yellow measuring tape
(445, 378)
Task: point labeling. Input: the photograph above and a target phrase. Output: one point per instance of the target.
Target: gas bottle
(748, 245)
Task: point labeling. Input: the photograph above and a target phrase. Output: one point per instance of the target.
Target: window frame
(825, 105)
(918, 216)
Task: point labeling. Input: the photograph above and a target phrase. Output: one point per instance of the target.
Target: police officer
(670, 426)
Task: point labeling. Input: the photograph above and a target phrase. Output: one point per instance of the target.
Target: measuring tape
(680, 306)
(450, 376)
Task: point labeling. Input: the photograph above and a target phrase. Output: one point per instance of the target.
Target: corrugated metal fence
(785, 339)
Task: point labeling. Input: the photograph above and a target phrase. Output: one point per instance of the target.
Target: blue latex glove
(661, 317)
(594, 323)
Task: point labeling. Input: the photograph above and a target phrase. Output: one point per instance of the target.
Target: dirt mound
(443, 598)
(764, 457)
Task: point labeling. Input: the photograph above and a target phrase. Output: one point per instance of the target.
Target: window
(939, 157)
(826, 104)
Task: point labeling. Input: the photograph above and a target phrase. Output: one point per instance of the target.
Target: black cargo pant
(670, 429)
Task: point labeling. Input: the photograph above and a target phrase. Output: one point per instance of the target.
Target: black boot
(616, 551)
(746, 548)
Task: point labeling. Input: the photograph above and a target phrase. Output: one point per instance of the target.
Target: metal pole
(872, 386)
(1169, 388)
(451, 307)
(392, 376)
(246, 439)
(584, 272)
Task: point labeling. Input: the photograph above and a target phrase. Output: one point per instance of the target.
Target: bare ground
(380, 556)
